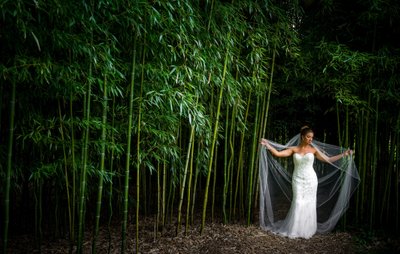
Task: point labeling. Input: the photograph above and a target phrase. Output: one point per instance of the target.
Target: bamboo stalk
(182, 190)
(264, 122)
(211, 14)
(74, 194)
(38, 211)
(110, 205)
(128, 151)
(271, 76)
(393, 164)
(346, 136)
(102, 159)
(214, 184)
(196, 176)
(252, 162)
(84, 168)
(338, 123)
(373, 166)
(226, 174)
(189, 186)
(231, 159)
(138, 162)
(1, 103)
(143, 179)
(164, 192)
(67, 184)
(171, 197)
(346, 144)
(359, 144)
(214, 140)
(240, 162)
(158, 215)
(397, 176)
(9, 168)
(364, 158)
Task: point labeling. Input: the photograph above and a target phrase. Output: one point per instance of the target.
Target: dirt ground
(216, 238)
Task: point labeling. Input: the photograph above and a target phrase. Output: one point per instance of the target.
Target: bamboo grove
(113, 111)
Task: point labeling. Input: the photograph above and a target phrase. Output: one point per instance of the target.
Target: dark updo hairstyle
(305, 130)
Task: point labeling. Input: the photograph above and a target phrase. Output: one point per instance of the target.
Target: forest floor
(216, 238)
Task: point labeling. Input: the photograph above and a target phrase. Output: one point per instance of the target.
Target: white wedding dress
(303, 196)
(301, 220)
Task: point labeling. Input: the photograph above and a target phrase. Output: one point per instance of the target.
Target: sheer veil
(336, 183)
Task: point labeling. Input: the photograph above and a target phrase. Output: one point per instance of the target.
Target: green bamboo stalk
(240, 162)
(84, 169)
(110, 205)
(346, 144)
(189, 187)
(388, 178)
(143, 179)
(40, 231)
(73, 191)
(397, 175)
(214, 184)
(231, 158)
(196, 177)
(343, 142)
(365, 156)
(374, 165)
(56, 215)
(211, 14)
(271, 76)
(9, 169)
(255, 183)
(102, 159)
(35, 196)
(164, 193)
(158, 215)
(171, 197)
(338, 123)
(226, 177)
(214, 140)
(38, 210)
(346, 136)
(252, 162)
(392, 145)
(182, 190)
(339, 132)
(265, 112)
(359, 144)
(1, 103)
(67, 184)
(85, 147)
(138, 163)
(257, 128)
(128, 151)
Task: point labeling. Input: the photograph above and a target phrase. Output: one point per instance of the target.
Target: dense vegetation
(114, 110)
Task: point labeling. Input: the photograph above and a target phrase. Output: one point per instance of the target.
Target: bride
(309, 196)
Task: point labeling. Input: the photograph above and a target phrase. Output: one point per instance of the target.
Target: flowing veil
(336, 183)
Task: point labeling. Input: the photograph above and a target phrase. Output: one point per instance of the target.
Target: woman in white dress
(301, 219)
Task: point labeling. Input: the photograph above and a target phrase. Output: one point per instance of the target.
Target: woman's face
(308, 138)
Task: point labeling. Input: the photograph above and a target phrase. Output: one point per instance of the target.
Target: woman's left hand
(264, 142)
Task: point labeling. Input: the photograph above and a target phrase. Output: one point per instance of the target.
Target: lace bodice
(303, 161)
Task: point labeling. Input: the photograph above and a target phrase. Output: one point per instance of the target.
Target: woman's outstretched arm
(333, 158)
(284, 153)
